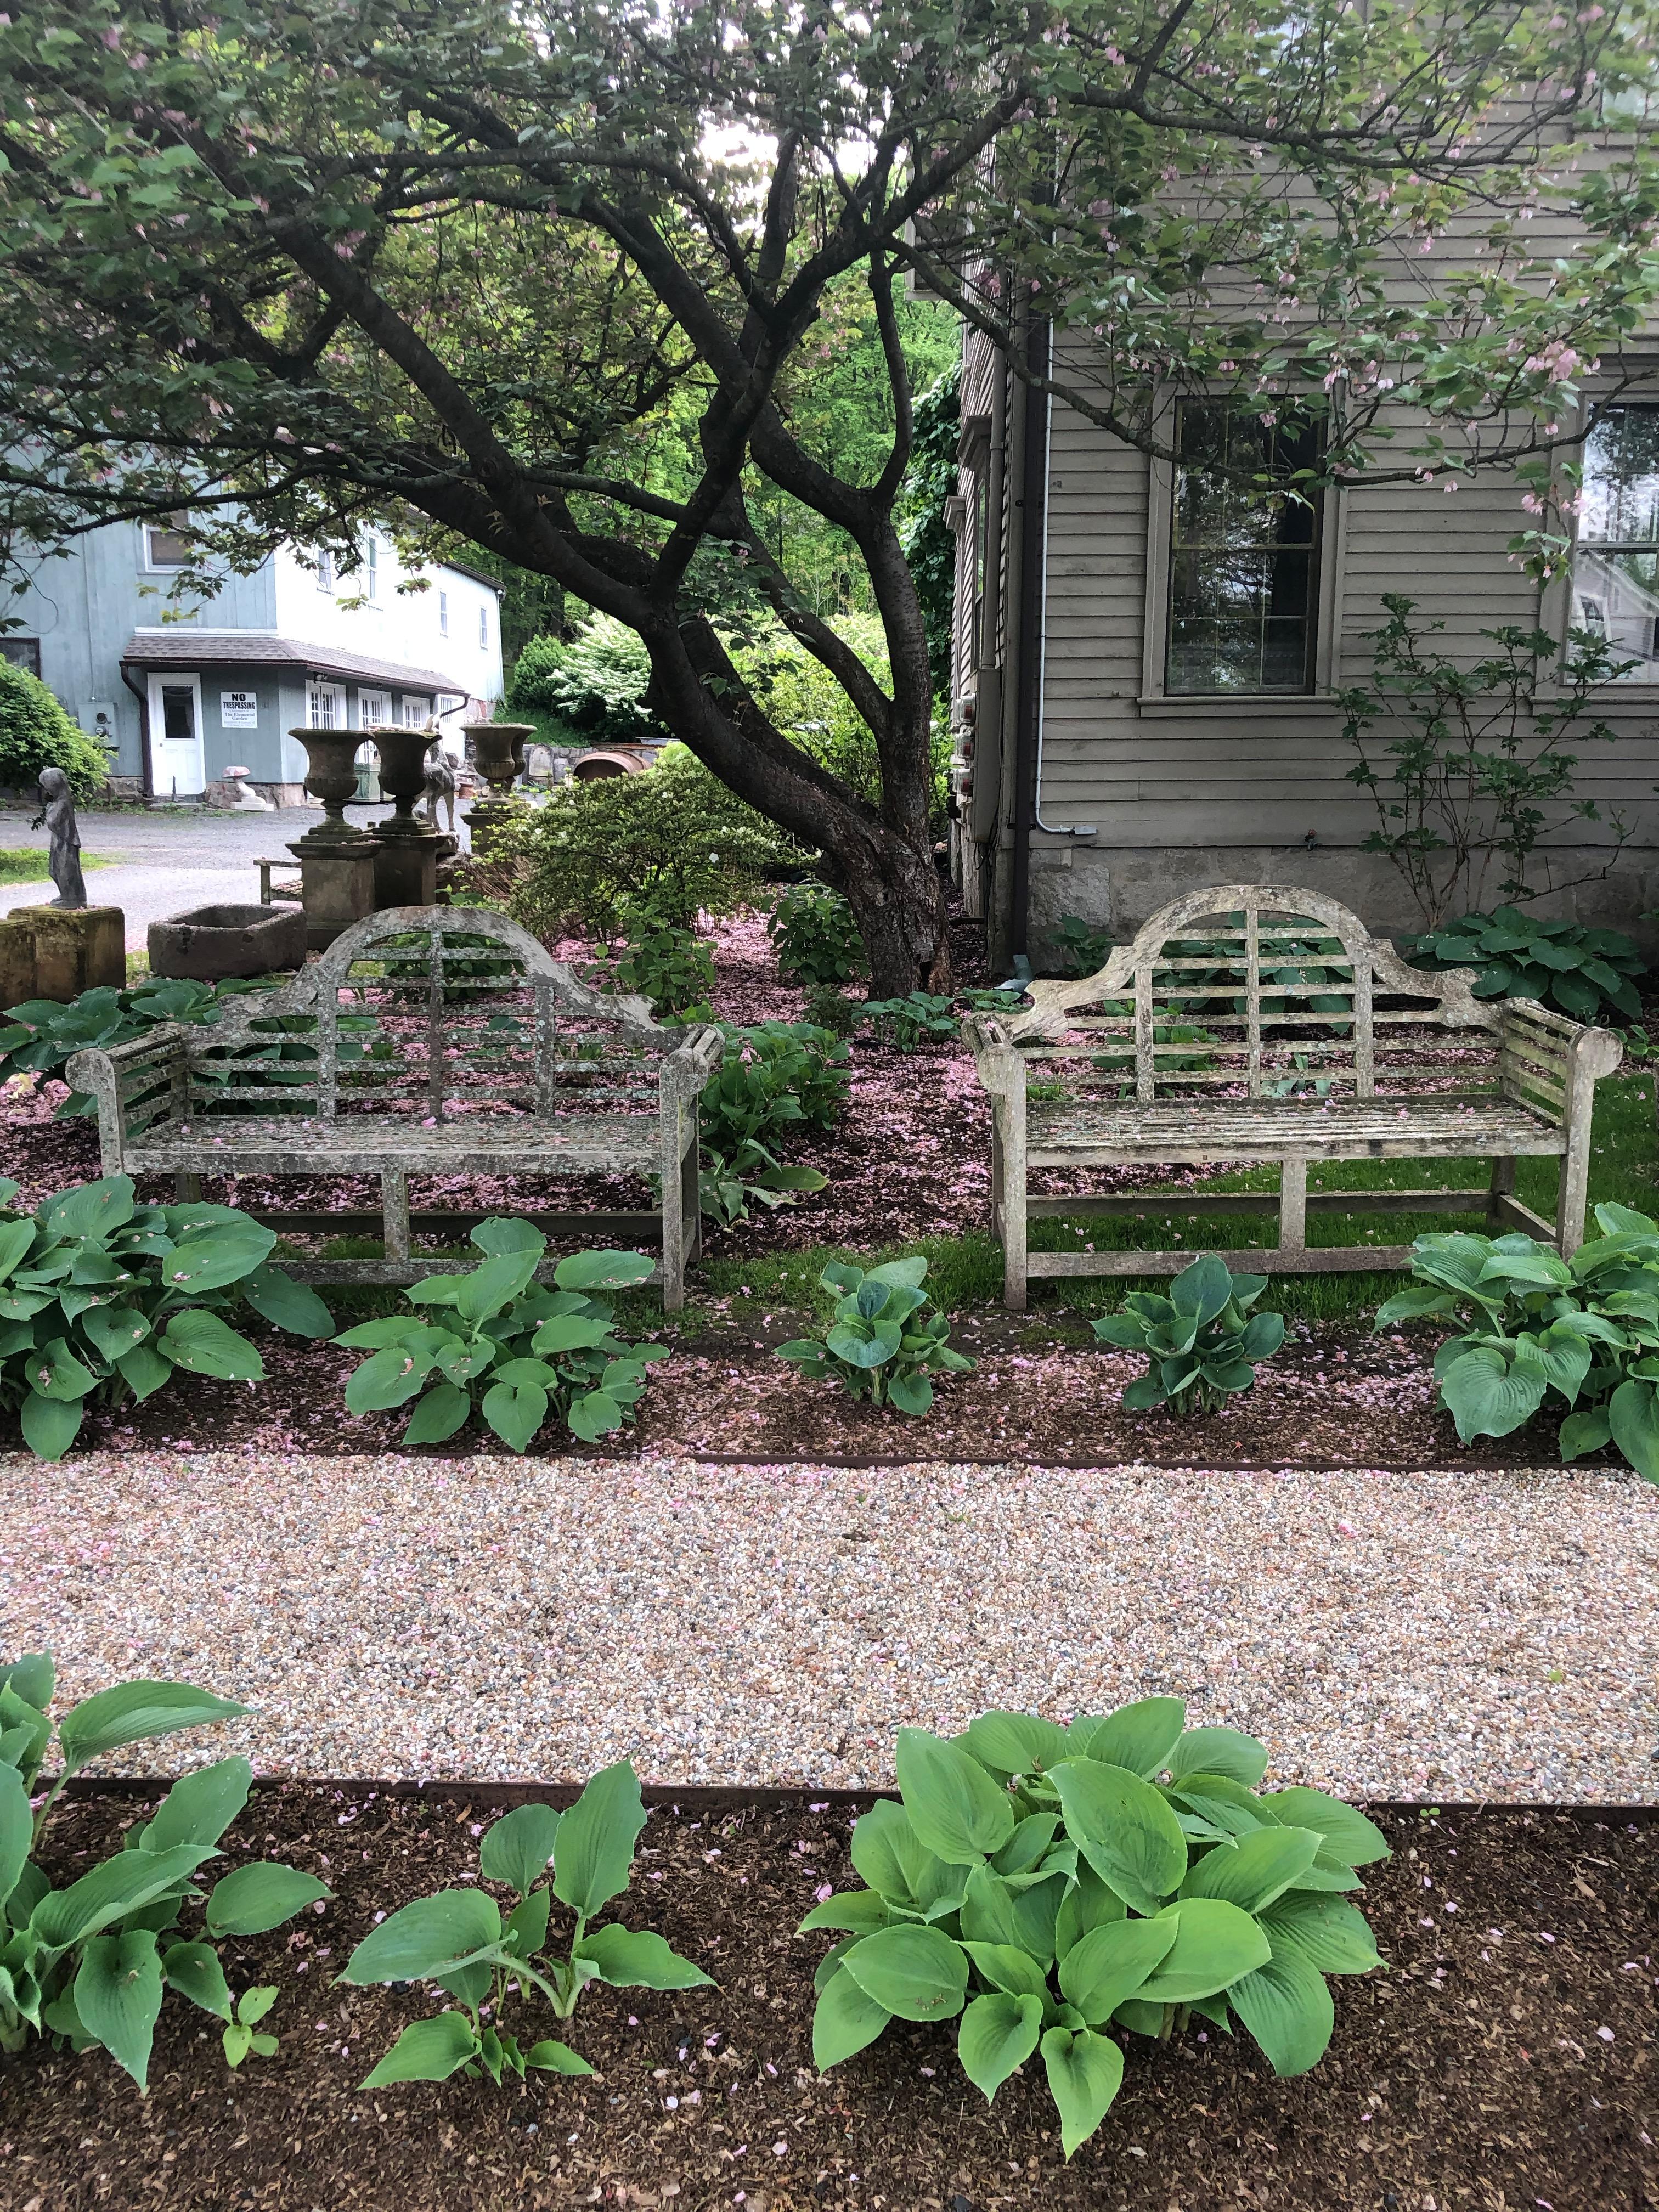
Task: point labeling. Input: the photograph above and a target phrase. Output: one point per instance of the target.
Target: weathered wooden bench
(486, 1057)
(1252, 1023)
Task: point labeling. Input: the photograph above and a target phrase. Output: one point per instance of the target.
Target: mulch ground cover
(1504, 2063)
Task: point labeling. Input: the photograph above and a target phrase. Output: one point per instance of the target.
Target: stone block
(16, 962)
(336, 884)
(406, 871)
(76, 948)
(210, 943)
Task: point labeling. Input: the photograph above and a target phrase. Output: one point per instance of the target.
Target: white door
(176, 764)
(373, 706)
(325, 705)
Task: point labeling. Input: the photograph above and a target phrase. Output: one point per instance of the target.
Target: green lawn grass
(28, 864)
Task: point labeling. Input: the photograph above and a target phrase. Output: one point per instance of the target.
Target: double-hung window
(1241, 605)
(1615, 562)
(167, 544)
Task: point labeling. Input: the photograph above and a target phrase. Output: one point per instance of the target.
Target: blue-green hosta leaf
(891, 1858)
(432, 1936)
(1486, 1396)
(602, 1271)
(845, 2020)
(550, 2056)
(638, 1959)
(426, 2051)
(16, 1830)
(515, 1412)
(1226, 1751)
(1215, 1944)
(441, 1412)
(860, 1910)
(495, 1284)
(1141, 1736)
(594, 1414)
(1025, 1848)
(499, 1235)
(1563, 1354)
(1354, 1839)
(911, 1394)
(1087, 1905)
(524, 1932)
(1633, 1416)
(1086, 2071)
(1286, 2007)
(957, 1810)
(1259, 1866)
(288, 1305)
(1125, 1829)
(1112, 1962)
(193, 1969)
(202, 1343)
(50, 1426)
(133, 1712)
(113, 1330)
(1330, 1934)
(916, 1972)
(518, 1848)
(118, 1997)
(255, 1898)
(569, 1332)
(221, 1257)
(120, 1886)
(1005, 1966)
(1018, 1743)
(864, 1343)
(594, 1851)
(1199, 1292)
(998, 2033)
(200, 1807)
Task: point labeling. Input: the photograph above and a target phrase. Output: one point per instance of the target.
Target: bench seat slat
(364, 1144)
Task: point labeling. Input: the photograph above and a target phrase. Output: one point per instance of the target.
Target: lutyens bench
(1253, 1023)
(426, 1041)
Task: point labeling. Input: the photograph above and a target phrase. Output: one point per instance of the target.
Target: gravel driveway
(1421, 1636)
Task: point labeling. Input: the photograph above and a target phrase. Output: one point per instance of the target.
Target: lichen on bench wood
(439, 1041)
(1253, 1023)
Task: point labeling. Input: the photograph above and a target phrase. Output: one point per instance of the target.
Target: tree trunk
(898, 902)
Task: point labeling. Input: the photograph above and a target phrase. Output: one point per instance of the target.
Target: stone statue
(57, 816)
(440, 785)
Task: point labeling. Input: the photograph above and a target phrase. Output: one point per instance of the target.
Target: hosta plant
(1050, 1888)
(92, 1962)
(908, 1023)
(670, 967)
(1586, 973)
(817, 939)
(494, 1339)
(1203, 1344)
(1579, 1337)
(103, 1298)
(489, 1962)
(775, 1076)
(885, 1343)
(730, 1183)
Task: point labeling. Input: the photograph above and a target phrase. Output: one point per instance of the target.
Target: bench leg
(1015, 1227)
(691, 1200)
(671, 1183)
(1294, 1205)
(188, 1190)
(394, 1213)
(1501, 1186)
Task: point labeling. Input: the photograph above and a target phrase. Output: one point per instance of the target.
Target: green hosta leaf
(1486, 1396)
(32, 1678)
(911, 1394)
(1354, 1839)
(203, 1345)
(569, 1332)
(200, 1807)
(1086, 1906)
(1111, 1963)
(55, 1372)
(957, 1810)
(891, 1858)
(602, 1271)
(16, 1830)
(1018, 1743)
(550, 2056)
(15, 1238)
(288, 1305)
(134, 1711)
(917, 1972)
(1140, 1737)
(998, 2033)
(193, 1969)
(1214, 1944)
(118, 1997)
(112, 1331)
(1125, 1830)
(1259, 1866)
(526, 1930)
(388, 1377)
(93, 1209)
(1005, 1966)
(593, 1415)
(861, 1910)
(1634, 1417)
(518, 1850)
(432, 1936)
(1086, 2071)
(221, 1257)
(442, 1411)
(255, 1898)
(501, 1235)
(50, 1426)
(1584, 1432)
(376, 1335)
(1226, 1751)
(1024, 1849)
(143, 1370)
(120, 1886)
(515, 1412)
(845, 2020)
(1286, 2007)
(595, 1840)
(636, 1959)
(1330, 1935)
(426, 2051)
(494, 1285)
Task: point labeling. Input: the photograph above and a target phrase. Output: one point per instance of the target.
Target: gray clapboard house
(180, 693)
(1146, 661)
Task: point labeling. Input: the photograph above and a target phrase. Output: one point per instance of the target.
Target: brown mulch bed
(1506, 2060)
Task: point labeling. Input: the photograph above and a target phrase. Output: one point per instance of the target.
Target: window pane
(166, 545)
(22, 652)
(1615, 596)
(1621, 479)
(1242, 564)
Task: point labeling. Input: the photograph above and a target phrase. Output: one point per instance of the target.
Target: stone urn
(402, 776)
(498, 749)
(332, 777)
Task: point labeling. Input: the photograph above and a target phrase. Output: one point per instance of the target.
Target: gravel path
(1416, 1636)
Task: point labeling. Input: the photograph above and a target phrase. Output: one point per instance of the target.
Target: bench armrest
(690, 1068)
(1540, 1052)
(98, 1069)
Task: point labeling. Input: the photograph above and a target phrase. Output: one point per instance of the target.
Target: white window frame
(373, 706)
(483, 625)
(325, 570)
(319, 690)
(1555, 601)
(372, 568)
(415, 710)
(443, 614)
(150, 531)
(1155, 701)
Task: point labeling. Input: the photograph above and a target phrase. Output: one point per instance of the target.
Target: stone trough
(211, 943)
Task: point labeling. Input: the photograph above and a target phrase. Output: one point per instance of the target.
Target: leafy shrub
(908, 1023)
(828, 1009)
(39, 1036)
(1537, 1330)
(523, 1353)
(1580, 972)
(659, 848)
(1202, 1342)
(730, 1183)
(101, 1298)
(35, 733)
(459, 1940)
(884, 1343)
(669, 967)
(817, 939)
(1078, 947)
(92, 1962)
(775, 1075)
(1025, 1855)
(594, 684)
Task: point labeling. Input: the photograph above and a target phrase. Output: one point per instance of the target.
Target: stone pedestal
(76, 948)
(405, 868)
(485, 819)
(16, 962)
(336, 884)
